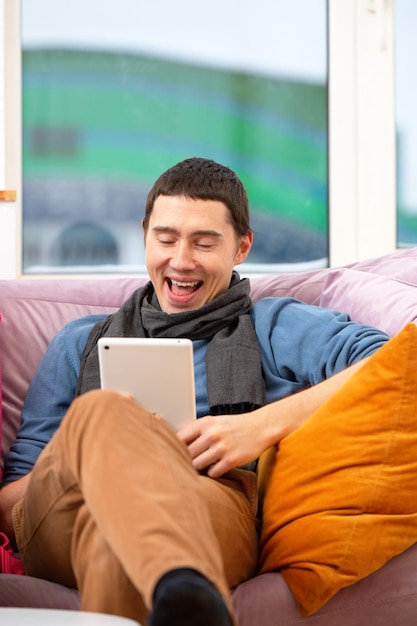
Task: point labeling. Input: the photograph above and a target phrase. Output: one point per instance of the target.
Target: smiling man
(191, 249)
(193, 242)
(102, 495)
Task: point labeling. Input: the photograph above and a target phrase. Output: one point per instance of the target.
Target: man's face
(191, 249)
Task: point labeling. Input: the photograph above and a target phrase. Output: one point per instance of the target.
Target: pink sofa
(379, 291)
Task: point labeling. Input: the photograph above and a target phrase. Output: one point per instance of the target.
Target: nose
(183, 257)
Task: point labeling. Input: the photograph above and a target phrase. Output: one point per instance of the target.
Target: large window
(116, 92)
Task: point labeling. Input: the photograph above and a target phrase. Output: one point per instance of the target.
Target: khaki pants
(114, 503)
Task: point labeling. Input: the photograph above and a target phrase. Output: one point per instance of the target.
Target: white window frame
(10, 138)
(362, 186)
(362, 178)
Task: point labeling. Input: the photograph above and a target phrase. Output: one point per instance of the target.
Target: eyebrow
(195, 233)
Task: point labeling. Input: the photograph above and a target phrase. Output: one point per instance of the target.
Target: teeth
(187, 284)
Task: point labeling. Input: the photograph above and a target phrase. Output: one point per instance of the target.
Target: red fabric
(9, 564)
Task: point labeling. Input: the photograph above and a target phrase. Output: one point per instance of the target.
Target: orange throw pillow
(339, 498)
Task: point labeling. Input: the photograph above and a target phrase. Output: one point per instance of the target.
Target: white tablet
(158, 373)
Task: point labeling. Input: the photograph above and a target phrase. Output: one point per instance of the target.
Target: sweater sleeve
(302, 345)
(49, 395)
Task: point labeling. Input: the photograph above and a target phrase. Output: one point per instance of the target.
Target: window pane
(406, 118)
(115, 93)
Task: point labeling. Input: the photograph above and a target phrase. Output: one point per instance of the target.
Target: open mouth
(183, 287)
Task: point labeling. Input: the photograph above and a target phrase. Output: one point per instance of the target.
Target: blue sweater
(301, 345)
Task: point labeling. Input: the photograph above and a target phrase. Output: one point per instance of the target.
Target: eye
(166, 241)
(205, 245)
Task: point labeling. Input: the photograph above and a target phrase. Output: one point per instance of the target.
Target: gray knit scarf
(233, 364)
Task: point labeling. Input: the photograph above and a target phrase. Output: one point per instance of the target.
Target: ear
(245, 245)
(143, 232)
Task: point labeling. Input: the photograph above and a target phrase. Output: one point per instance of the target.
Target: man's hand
(224, 442)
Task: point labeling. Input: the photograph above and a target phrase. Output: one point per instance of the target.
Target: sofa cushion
(388, 597)
(370, 299)
(30, 592)
(307, 286)
(399, 265)
(339, 497)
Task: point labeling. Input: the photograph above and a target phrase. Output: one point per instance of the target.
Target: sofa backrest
(33, 310)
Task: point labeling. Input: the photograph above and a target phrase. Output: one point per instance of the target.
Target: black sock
(183, 597)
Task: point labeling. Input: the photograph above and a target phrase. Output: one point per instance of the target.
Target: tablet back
(158, 373)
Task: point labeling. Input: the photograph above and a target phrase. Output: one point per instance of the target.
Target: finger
(189, 432)
(204, 460)
(197, 447)
(216, 470)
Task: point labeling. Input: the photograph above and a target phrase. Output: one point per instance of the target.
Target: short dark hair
(203, 179)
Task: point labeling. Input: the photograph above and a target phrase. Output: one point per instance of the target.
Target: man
(102, 495)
